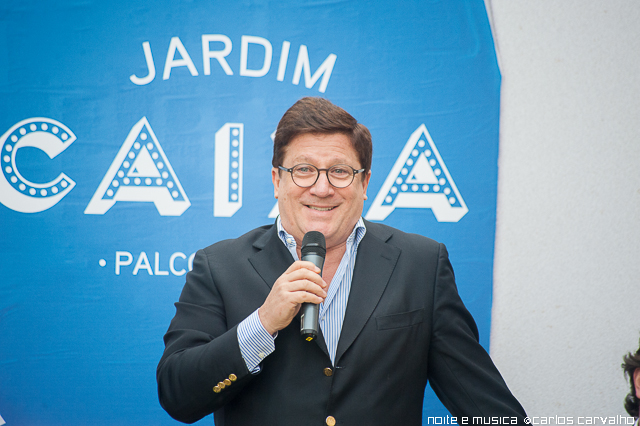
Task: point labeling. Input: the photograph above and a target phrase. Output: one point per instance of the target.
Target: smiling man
(390, 315)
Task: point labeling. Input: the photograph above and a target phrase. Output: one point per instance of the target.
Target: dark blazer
(404, 324)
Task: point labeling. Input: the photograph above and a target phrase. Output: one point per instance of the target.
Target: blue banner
(134, 133)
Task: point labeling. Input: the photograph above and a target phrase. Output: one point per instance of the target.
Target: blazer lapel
(273, 258)
(375, 262)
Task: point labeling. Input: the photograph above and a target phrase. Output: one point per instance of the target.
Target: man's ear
(365, 183)
(275, 178)
(636, 381)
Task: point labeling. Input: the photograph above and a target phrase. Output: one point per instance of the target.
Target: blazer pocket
(404, 319)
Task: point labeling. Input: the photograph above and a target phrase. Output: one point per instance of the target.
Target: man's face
(321, 207)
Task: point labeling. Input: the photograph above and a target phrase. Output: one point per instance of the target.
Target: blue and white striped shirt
(256, 343)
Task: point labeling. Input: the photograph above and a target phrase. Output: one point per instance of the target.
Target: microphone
(313, 250)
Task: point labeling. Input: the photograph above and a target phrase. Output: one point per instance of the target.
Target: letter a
(140, 172)
(419, 179)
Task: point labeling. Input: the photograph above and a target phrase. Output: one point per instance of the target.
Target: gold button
(328, 372)
(216, 389)
(331, 421)
(233, 377)
(222, 385)
(227, 382)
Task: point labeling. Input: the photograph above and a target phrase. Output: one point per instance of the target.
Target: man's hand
(299, 284)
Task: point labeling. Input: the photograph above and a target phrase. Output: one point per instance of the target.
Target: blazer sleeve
(200, 351)
(461, 372)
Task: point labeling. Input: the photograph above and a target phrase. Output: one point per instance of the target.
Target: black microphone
(313, 250)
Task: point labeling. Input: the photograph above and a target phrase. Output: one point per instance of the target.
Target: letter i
(284, 57)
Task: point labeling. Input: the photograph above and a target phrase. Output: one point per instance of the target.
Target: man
(390, 314)
(631, 367)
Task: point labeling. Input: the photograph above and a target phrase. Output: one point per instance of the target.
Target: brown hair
(630, 365)
(318, 115)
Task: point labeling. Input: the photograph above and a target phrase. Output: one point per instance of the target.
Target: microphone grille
(313, 242)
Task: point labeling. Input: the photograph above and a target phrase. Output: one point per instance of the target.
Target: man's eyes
(334, 171)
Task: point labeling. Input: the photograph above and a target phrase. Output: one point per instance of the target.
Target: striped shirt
(256, 343)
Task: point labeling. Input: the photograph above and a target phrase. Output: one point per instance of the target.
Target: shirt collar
(356, 236)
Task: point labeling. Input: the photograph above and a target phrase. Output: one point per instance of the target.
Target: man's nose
(322, 187)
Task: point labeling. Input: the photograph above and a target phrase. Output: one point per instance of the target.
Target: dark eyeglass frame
(354, 172)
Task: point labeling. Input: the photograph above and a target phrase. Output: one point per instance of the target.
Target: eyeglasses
(306, 175)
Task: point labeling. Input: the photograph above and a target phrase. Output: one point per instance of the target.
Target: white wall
(567, 263)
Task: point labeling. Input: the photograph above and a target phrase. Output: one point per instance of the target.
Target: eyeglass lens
(306, 175)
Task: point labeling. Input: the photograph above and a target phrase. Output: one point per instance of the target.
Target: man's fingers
(312, 298)
(301, 274)
(294, 290)
(301, 283)
(303, 264)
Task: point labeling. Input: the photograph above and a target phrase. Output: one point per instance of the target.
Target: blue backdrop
(135, 133)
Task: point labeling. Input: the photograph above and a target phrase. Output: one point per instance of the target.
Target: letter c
(18, 193)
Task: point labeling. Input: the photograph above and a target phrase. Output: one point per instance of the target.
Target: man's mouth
(322, 209)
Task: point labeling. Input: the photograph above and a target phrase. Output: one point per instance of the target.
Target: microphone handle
(310, 311)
